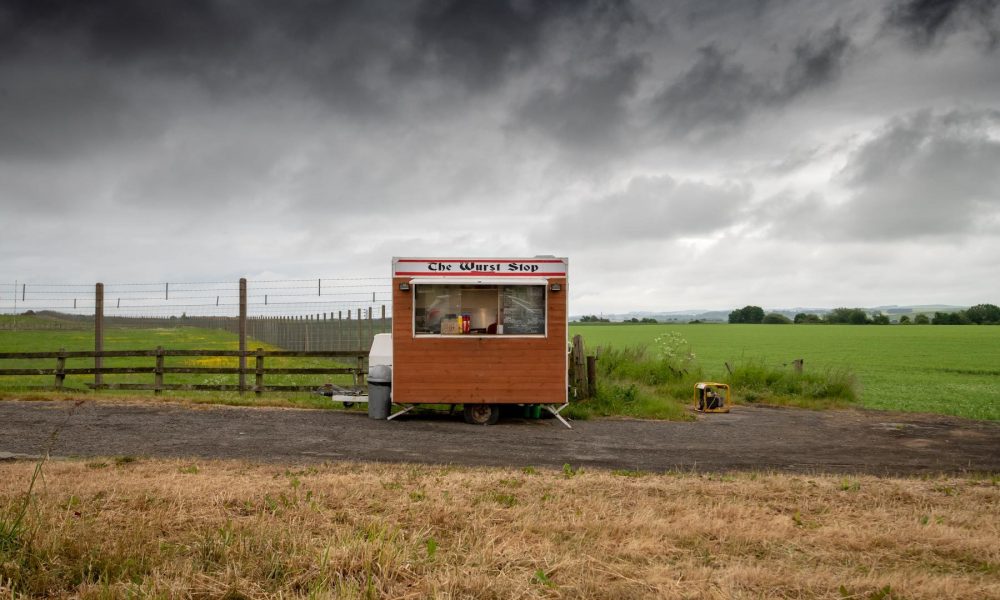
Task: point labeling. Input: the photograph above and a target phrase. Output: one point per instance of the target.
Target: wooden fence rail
(259, 371)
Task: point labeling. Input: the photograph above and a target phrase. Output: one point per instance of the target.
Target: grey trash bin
(379, 389)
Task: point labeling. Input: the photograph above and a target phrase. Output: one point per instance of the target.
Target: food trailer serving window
(479, 308)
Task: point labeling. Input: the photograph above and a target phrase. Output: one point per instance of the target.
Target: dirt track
(849, 441)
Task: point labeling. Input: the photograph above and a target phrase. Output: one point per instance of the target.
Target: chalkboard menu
(523, 309)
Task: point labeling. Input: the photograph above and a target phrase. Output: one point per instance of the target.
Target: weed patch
(634, 382)
(757, 382)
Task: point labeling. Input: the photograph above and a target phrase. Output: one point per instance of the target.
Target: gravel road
(789, 440)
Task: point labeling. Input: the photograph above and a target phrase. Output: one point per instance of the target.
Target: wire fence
(294, 314)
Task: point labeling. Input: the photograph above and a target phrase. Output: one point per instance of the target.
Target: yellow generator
(710, 396)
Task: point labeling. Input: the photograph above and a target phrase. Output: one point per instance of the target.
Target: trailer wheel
(348, 404)
(481, 414)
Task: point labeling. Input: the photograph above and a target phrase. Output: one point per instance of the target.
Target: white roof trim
(479, 280)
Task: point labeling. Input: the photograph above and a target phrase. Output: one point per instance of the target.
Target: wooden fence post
(61, 369)
(359, 376)
(574, 370)
(98, 334)
(580, 367)
(243, 335)
(158, 372)
(592, 375)
(360, 328)
(259, 374)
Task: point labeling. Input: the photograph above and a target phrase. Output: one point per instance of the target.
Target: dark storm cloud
(715, 95)
(79, 78)
(815, 63)
(229, 49)
(182, 32)
(474, 42)
(43, 117)
(478, 43)
(926, 23)
(922, 20)
(78, 71)
(699, 13)
(588, 112)
(718, 93)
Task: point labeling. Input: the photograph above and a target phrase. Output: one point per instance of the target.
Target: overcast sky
(702, 154)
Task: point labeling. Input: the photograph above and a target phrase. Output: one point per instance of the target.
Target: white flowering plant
(674, 350)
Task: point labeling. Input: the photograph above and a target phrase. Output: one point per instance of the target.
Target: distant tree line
(755, 314)
(747, 314)
(855, 316)
(980, 314)
(596, 319)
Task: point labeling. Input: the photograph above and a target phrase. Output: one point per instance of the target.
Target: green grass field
(941, 369)
(180, 338)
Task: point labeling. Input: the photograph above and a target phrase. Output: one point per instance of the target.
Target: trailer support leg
(555, 413)
(402, 412)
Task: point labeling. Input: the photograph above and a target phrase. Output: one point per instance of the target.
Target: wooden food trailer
(481, 333)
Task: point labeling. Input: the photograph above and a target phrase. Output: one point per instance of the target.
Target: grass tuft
(756, 382)
(632, 381)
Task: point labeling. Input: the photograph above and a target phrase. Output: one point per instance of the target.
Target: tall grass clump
(756, 381)
(639, 381)
(18, 561)
(670, 360)
(13, 530)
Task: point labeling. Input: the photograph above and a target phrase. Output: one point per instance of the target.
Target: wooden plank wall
(478, 369)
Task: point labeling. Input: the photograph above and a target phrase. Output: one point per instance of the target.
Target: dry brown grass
(116, 528)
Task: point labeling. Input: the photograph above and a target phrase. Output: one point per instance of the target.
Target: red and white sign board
(480, 267)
